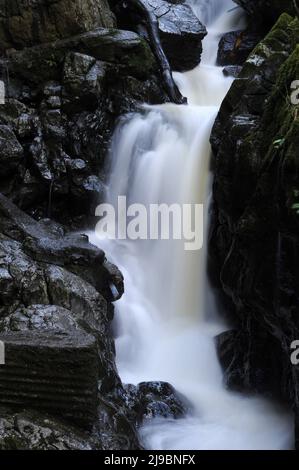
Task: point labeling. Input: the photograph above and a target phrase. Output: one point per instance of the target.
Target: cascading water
(167, 319)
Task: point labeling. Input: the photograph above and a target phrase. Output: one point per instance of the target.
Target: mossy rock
(124, 49)
(255, 233)
(26, 23)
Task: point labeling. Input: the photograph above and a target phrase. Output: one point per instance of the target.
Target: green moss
(280, 131)
(270, 152)
(143, 62)
(277, 32)
(281, 114)
(281, 40)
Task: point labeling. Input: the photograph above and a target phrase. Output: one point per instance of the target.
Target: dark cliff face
(63, 99)
(25, 23)
(267, 11)
(254, 235)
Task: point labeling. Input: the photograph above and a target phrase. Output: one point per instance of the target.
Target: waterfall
(167, 319)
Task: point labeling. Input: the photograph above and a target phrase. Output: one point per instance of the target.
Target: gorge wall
(254, 233)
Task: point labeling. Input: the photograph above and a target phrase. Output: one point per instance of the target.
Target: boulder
(151, 400)
(73, 252)
(34, 271)
(49, 317)
(181, 33)
(18, 117)
(54, 371)
(25, 22)
(180, 30)
(44, 62)
(235, 47)
(248, 365)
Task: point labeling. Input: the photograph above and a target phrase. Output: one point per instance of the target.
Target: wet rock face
(62, 102)
(47, 243)
(39, 318)
(151, 400)
(51, 371)
(255, 369)
(55, 316)
(180, 30)
(32, 430)
(52, 61)
(235, 47)
(181, 33)
(25, 23)
(254, 234)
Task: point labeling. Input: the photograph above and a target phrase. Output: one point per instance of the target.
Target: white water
(167, 319)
